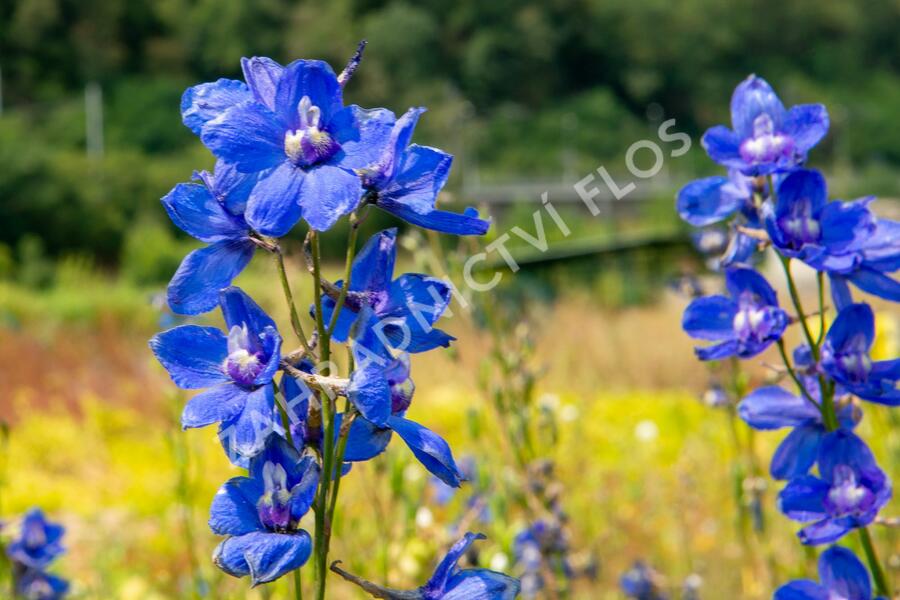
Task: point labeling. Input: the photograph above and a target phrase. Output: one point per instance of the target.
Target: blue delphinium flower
(847, 494)
(449, 582)
(404, 309)
(744, 324)
(290, 125)
(773, 407)
(845, 357)
(642, 582)
(842, 575)
(261, 514)
(765, 137)
(541, 544)
(367, 439)
(238, 367)
(39, 542)
(840, 238)
(211, 211)
(33, 584)
(406, 179)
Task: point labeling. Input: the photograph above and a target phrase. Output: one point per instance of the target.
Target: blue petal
(263, 556)
(205, 102)
(723, 145)
(842, 573)
(262, 75)
(365, 440)
(373, 267)
(882, 250)
(383, 170)
(304, 492)
(233, 510)
(192, 355)
(844, 447)
(39, 585)
(797, 453)
(803, 498)
(248, 431)
(847, 225)
(772, 407)
(363, 134)
(702, 202)
(230, 187)
(740, 250)
(430, 449)
(806, 124)
(824, 532)
(248, 135)
(273, 208)
(481, 584)
(803, 185)
(370, 392)
(851, 322)
(221, 403)
(446, 568)
(196, 212)
(327, 194)
(801, 589)
(740, 281)
(421, 175)
(240, 309)
(710, 318)
(753, 97)
(312, 78)
(840, 291)
(421, 300)
(467, 223)
(717, 351)
(194, 288)
(876, 283)
(278, 451)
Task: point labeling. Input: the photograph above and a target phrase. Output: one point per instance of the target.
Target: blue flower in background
(261, 514)
(449, 582)
(844, 239)
(237, 367)
(406, 179)
(212, 212)
(744, 324)
(540, 545)
(290, 125)
(773, 407)
(765, 137)
(404, 310)
(33, 584)
(39, 542)
(842, 575)
(845, 357)
(847, 494)
(642, 582)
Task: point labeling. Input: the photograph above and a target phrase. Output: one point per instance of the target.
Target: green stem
(298, 585)
(348, 267)
(820, 282)
(881, 582)
(323, 533)
(793, 374)
(795, 298)
(289, 297)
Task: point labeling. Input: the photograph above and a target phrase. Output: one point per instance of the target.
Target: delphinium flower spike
(37, 546)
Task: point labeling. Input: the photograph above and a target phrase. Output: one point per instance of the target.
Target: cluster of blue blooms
(38, 544)
(287, 150)
(769, 199)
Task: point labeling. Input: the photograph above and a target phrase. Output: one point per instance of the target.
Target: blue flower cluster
(38, 544)
(288, 149)
(770, 200)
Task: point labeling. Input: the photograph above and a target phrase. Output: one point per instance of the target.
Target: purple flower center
(799, 225)
(752, 322)
(847, 496)
(274, 507)
(34, 536)
(766, 145)
(854, 360)
(309, 145)
(243, 363)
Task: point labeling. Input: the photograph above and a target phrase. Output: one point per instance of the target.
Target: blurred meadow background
(584, 341)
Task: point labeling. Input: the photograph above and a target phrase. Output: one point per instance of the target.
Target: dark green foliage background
(523, 89)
